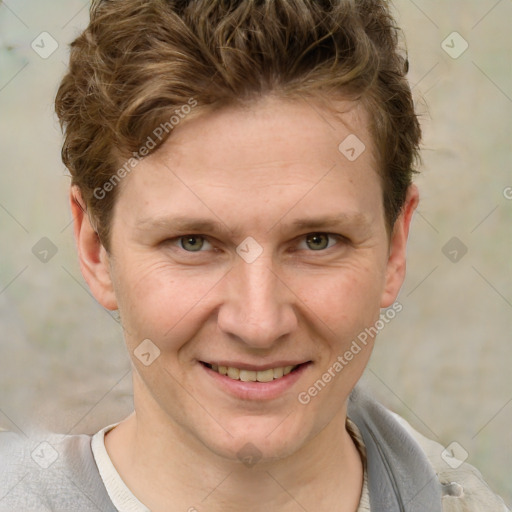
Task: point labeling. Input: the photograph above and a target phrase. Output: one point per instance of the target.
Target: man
(241, 188)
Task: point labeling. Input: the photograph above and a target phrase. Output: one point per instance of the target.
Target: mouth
(253, 375)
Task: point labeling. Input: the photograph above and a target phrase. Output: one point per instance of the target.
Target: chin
(257, 440)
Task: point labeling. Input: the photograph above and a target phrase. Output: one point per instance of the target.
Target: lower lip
(256, 390)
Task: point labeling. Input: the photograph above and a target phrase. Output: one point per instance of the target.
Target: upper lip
(255, 367)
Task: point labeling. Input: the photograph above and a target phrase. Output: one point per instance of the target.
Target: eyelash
(339, 238)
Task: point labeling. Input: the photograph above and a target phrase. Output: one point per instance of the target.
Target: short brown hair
(138, 61)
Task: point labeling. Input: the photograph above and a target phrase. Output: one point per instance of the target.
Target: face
(250, 244)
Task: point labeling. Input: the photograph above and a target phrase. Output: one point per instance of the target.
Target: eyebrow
(181, 223)
(329, 221)
(197, 224)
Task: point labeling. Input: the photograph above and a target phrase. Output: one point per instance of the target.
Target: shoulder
(416, 469)
(49, 472)
(464, 489)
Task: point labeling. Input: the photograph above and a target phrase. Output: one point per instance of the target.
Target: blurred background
(443, 363)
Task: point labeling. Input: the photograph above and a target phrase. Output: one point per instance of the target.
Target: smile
(243, 375)
(246, 381)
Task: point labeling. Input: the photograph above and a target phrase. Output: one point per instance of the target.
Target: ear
(94, 259)
(395, 271)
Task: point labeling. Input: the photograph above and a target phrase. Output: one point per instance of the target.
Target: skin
(253, 170)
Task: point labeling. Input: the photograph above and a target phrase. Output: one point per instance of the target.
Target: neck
(162, 464)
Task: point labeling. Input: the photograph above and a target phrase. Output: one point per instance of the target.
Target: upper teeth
(251, 375)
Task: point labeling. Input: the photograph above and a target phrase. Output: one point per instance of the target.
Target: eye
(193, 243)
(320, 241)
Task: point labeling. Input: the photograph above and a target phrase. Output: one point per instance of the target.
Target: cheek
(345, 308)
(344, 300)
(159, 302)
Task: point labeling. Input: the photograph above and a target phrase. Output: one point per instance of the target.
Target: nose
(258, 309)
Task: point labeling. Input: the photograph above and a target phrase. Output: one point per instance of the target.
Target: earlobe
(396, 265)
(93, 258)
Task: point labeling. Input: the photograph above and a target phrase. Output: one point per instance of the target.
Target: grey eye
(192, 243)
(318, 241)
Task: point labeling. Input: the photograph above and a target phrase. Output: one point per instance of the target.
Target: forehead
(257, 162)
(268, 131)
